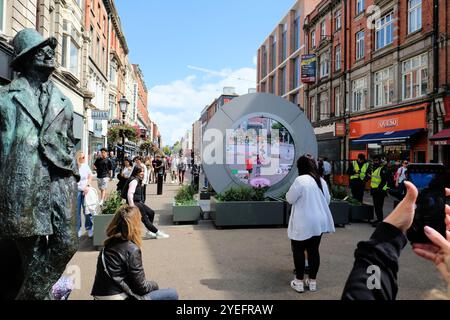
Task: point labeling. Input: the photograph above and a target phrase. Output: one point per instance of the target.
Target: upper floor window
(415, 77)
(338, 20)
(297, 31)
(323, 29)
(384, 86)
(296, 72)
(70, 49)
(360, 45)
(324, 106)
(324, 64)
(112, 71)
(414, 15)
(359, 90)
(274, 52)
(313, 109)
(2, 16)
(337, 63)
(283, 81)
(337, 101)
(284, 42)
(384, 31)
(313, 39)
(264, 61)
(359, 6)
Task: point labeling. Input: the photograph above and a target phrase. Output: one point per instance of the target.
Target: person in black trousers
(374, 273)
(378, 188)
(358, 174)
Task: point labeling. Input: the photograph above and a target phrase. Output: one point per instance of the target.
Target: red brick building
(142, 96)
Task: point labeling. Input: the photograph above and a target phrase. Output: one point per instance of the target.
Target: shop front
(396, 134)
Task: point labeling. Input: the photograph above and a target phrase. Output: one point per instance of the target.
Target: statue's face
(44, 59)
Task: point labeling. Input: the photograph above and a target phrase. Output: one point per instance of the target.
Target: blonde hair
(78, 155)
(125, 225)
(436, 294)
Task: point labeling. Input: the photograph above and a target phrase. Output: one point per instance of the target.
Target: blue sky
(167, 36)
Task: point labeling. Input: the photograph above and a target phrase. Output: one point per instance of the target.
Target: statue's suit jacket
(38, 171)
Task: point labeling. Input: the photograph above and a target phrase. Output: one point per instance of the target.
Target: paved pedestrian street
(204, 263)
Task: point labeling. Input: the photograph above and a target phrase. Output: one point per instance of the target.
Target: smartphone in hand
(430, 180)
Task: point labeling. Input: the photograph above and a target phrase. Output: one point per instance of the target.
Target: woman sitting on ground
(135, 198)
(120, 273)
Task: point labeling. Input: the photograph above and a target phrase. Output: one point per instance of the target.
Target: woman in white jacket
(310, 218)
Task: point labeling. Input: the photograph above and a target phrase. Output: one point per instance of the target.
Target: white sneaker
(80, 233)
(90, 233)
(161, 235)
(312, 285)
(149, 235)
(298, 286)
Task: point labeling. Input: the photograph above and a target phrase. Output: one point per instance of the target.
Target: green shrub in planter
(185, 195)
(185, 207)
(112, 203)
(338, 192)
(101, 221)
(243, 193)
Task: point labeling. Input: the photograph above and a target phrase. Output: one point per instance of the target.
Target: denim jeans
(162, 294)
(87, 217)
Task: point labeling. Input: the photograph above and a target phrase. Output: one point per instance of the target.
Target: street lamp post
(123, 104)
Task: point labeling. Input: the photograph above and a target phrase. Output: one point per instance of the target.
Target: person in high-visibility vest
(358, 172)
(378, 188)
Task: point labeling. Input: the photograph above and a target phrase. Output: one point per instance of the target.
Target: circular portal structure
(255, 140)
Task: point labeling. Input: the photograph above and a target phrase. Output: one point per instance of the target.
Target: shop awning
(387, 137)
(441, 138)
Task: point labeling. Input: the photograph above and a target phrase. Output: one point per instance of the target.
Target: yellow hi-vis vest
(376, 179)
(359, 174)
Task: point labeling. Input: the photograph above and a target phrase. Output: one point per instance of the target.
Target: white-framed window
(337, 101)
(338, 20)
(324, 63)
(324, 106)
(313, 39)
(323, 29)
(384, 31)
(313, 112)
(384, 86)
(415, 77)
(337, 58)
(112, 71)
(2, 15)
(414, 15)
(360, 45)
(70, 49)
(359, 92)
(359, 6)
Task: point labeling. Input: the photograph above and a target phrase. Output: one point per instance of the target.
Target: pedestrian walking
(138, 162)
(113, 160)
(378, 188)
(124, 175)
(148, 164)
(310, 219)
(358, 177)
(83, 189)
(154, 164)
(174, 168)
(133, 193)
(182, 166)
(120, 273)
(195, 174)
(327, 171)
(400, 177)
(103, 167)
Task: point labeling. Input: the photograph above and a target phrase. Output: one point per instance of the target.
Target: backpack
(91, 201)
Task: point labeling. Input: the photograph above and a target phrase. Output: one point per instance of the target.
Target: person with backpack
(133, 193)
(182, 165)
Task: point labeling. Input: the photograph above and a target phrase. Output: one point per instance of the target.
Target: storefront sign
(339, 130)
(407, 118)
(441, 143)
(308, 68)
(99, 115)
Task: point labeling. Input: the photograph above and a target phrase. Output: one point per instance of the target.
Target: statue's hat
(25, 42)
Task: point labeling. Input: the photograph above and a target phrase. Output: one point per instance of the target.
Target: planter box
(101, 222)
(205, 195)
(361, 212)
(247, 213)
(340, 210)
(185, 213)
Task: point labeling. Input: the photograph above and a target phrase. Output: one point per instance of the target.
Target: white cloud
(175, 106)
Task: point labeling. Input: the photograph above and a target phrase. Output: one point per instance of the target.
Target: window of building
(296, 72)
(415, 77)
(112, 71)
(104, 59)
(91, 37)
(384, 31)
(98, 61)
(337, 20)
(359, 90)
(313, 39)
(414, 15)
(313, 110)
(284, 42)
(384, 86)
(297, 31)
(263, 87)
(323, 29)
(274, 52)
(74, 56)
(359, 6)
(112, 105)
(282, 81)
(324, 62)
(337, 58)
(337, 101)
(264, 61)
(324, 106)
(272, 84)
(70, 49)
(360, 45)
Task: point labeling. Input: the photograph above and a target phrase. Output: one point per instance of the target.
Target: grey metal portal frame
(263, 105)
